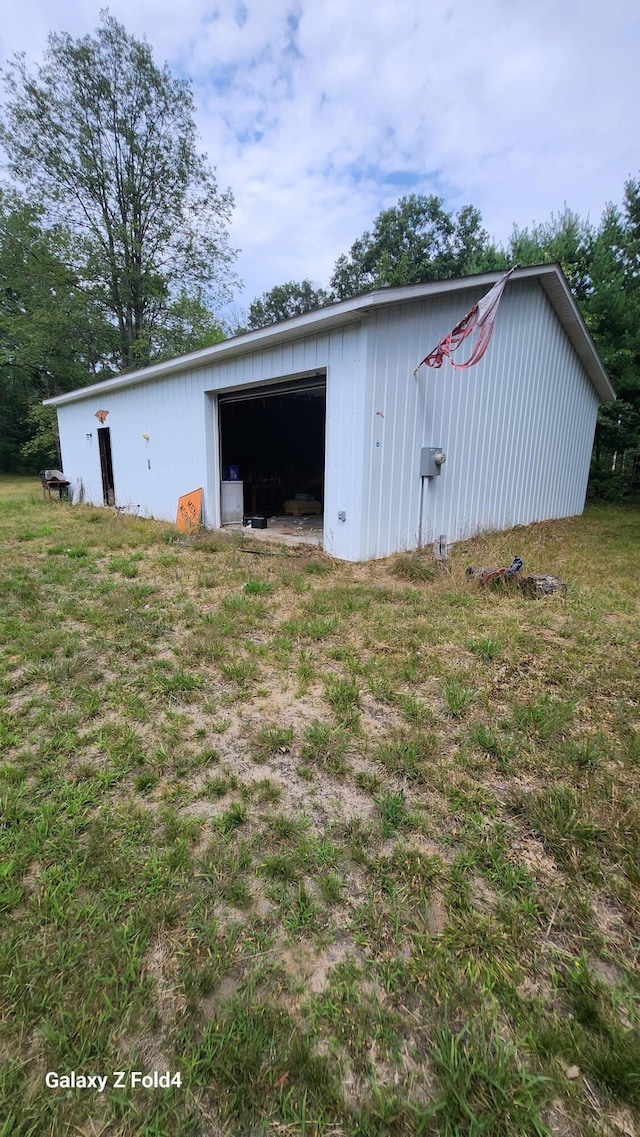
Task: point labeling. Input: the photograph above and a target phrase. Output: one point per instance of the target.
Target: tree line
(115, 249)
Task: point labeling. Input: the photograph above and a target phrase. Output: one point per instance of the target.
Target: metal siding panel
(517, 428)
(80, 455)
(171, 412)
(344, 442)
(417, 414)
(179, 413)
(350, 312)
(515, 486)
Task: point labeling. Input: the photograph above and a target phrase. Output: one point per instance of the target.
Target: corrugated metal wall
(179, 413)
(149, 476)
(517, 428)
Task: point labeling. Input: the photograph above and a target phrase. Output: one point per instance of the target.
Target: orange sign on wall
(189, 512)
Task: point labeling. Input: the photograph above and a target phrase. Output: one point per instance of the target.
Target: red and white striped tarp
(481, 316)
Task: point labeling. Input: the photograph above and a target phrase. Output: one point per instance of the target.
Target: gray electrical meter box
(431, 460)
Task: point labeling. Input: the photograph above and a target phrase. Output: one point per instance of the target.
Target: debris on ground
(542, 584)
(493, 575)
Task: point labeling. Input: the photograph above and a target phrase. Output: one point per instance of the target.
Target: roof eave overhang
(351, 311)
(561, 298)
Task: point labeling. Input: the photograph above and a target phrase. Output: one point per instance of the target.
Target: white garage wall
(148, 476)
(179, 413)
(517, 428)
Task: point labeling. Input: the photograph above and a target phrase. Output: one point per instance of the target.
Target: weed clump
(344, 697)
(271, 739)
(415, 567)
(233, 817)
(484, 1088)
(393, 811)
(408, 754)
(326, 746)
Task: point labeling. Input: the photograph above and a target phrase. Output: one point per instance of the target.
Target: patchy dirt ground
(346, 844)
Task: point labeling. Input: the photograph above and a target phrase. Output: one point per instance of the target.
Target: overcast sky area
(320, 113)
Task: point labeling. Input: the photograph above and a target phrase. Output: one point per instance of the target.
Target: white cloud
(318, 114)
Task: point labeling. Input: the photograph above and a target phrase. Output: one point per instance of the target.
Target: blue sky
(320, 113)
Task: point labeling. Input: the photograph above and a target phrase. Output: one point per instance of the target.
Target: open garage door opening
(272, 445)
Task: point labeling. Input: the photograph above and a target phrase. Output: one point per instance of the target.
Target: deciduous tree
(285, 300)
(53, 335)
(105, 139)
(414, 241)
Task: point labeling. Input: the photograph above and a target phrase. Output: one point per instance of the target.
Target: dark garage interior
(274, 443)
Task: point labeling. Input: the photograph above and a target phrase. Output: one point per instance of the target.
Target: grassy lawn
(344, 849)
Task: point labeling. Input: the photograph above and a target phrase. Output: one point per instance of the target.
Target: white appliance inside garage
(232, 502)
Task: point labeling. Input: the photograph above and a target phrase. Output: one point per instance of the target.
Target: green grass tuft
(393, 811)
(414, 567)
(484, 1088)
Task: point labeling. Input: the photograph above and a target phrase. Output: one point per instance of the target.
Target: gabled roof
(551, 279)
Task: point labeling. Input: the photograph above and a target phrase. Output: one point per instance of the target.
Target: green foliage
(564, 239)
(543, 719)
(344, 697)
(566, 832)
(284, 301)
(414, 567)
(593, 1036)
(52, 334)
(484, 647)
(326, 746)
(41, 450)
(457, 696)
(612, 313)
(489, 739)
(408, 755)
(393, 811)
(104, 136)
(187, 324)
(248, 1053)
(485, 1089)
(233, 817)
(614, 305)
(414, 241)
(606, 484)
(271, 739)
